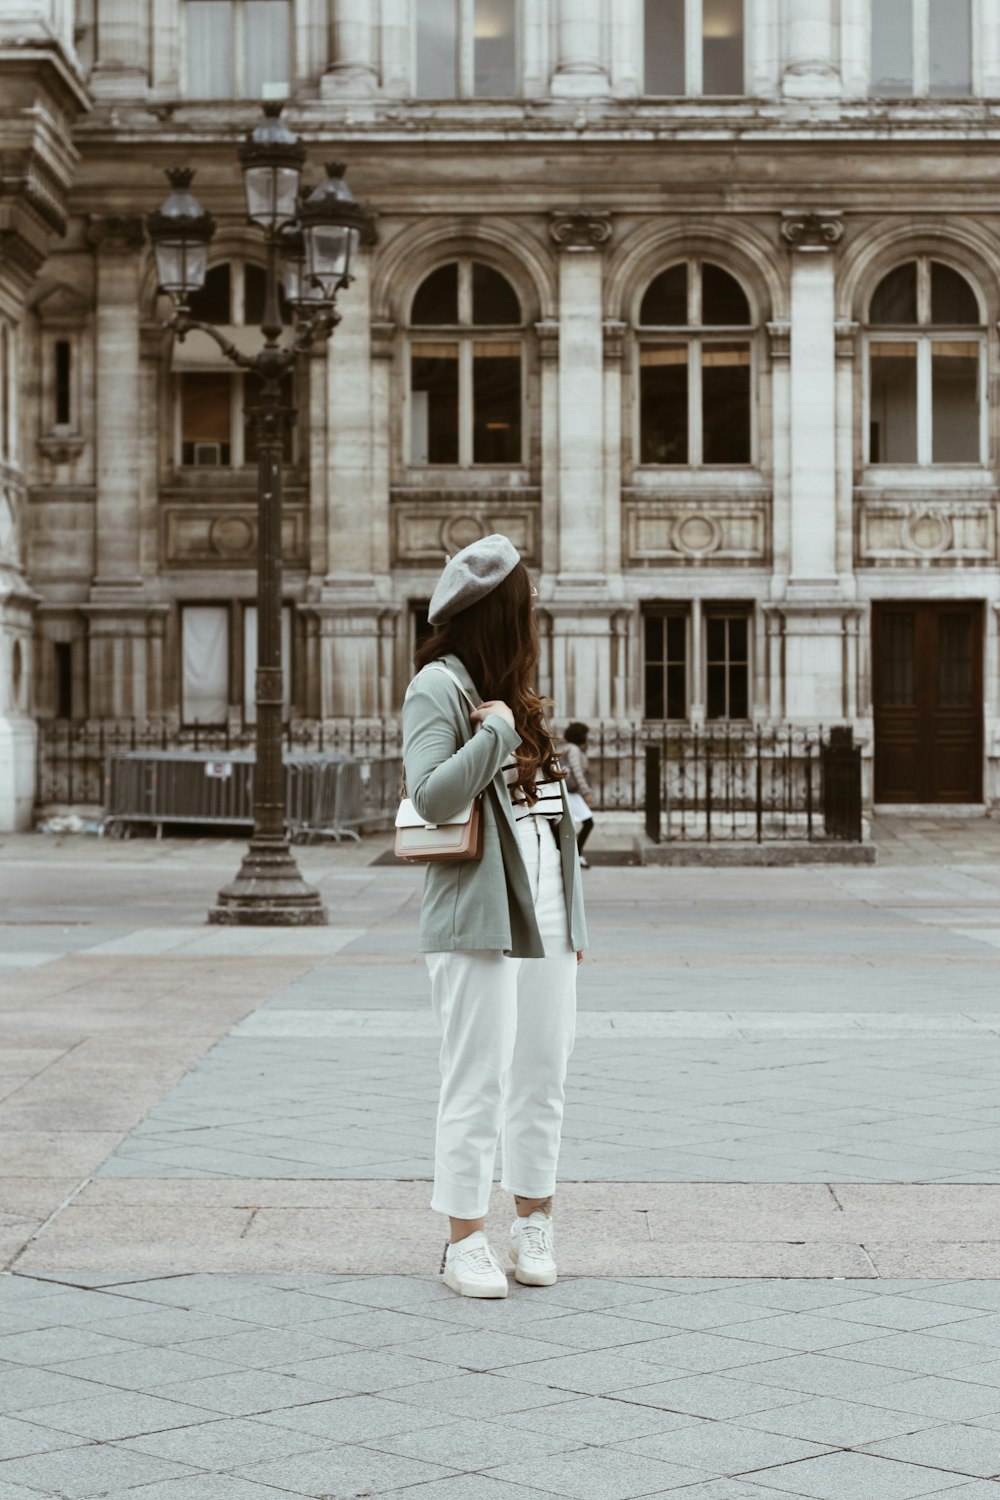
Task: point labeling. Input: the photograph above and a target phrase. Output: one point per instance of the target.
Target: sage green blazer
(476, 904)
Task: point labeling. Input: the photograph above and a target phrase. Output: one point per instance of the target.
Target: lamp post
(314, 239)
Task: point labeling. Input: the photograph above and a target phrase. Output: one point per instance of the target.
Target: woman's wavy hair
(497, 639)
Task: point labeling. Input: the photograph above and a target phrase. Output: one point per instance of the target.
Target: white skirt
(579, 808)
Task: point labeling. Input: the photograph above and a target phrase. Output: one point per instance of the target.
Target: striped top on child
(549, 794)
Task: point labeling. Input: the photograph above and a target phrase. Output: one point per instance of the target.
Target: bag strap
(440, 667)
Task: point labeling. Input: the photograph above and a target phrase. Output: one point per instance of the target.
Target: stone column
(117, 607)
(353, 589)
(582, 601)
(810, 70)
(353, 68)
(814, 606)
(580, 69)
(121, 70)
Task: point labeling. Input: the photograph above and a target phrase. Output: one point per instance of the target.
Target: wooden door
(928, 690)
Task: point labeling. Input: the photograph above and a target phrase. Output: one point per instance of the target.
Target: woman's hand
(580, 955)
(493, 706)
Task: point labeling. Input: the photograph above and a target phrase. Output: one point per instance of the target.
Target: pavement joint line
(41, 1228)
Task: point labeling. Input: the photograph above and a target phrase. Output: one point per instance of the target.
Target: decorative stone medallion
(460, 531)
(697, 535)
(231, 536)
(928, 533)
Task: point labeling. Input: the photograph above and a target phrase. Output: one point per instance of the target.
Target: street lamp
(314, 240)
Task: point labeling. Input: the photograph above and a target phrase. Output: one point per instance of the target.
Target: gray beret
(472, 574)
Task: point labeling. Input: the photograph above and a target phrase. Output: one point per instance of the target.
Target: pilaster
(581, 72)
(353, 69)
(121, 70)
(810, 69)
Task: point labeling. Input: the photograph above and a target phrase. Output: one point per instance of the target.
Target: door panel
(928, 690)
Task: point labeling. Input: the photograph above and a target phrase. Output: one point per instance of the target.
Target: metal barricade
(322, 791)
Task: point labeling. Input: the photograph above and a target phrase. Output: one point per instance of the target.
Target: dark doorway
(928, 690)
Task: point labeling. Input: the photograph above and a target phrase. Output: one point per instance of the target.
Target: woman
(503, 935)
(578, 787)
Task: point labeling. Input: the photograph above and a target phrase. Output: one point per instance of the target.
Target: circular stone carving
(460, 531)
(927, 532)
(697, 535)
(231, 536)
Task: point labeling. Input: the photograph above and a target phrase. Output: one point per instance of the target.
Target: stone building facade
(697, 300)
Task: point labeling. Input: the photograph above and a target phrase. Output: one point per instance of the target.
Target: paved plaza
(778, 1225)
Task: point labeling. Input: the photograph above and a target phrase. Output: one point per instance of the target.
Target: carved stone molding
(659, 532)
(383, 337)
(846, 338)
(614, 339)
(584, 230)
(62, 306)
(780, 335)
(200, 536)
(914, 533)
(115, 234)
(813, 230)
(427, 528)
(62, 447)
(547, 332)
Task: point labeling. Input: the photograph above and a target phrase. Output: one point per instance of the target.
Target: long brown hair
(497, 639)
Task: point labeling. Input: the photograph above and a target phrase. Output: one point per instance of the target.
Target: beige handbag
(458, 838)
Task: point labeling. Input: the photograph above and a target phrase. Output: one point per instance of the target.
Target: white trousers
(507, 1031)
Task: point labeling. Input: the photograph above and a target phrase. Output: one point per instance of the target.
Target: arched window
(695, 360)
(211, 394)
(466, 353)
(926, 354)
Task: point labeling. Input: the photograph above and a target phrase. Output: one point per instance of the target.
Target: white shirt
(549, 802)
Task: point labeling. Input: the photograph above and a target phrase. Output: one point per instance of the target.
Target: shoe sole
(470, 1289)
(532, 1278)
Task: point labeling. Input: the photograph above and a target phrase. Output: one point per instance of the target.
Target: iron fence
(722, 783)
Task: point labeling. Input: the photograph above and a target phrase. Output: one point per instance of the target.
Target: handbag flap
(408, 817)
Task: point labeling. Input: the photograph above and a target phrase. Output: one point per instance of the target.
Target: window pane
(723, 300)
(212, 303)
(494, 300)
(715, 698)
(895, 299)
(434, 403)
(955, 387)
(254, 296)
(205, 663)
(664, 47)
(665, 304)
(496, 404)
(738, 638)
(250, 663)
(725, 385)
(892, 47)
(739, 690)
(952, 298)
(495, 50)
(715, 638)
(205, 418)
(437, 49)
(950, 46)
(955, 661)
(209, 25)
(654, 638)
(722, 33)
(63, 373)
(663, 398)
(893, 403)
(896, 660)
(677, 639)
(436, 302)
(267, 34)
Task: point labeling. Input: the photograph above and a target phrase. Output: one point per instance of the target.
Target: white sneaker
(532, 1249)
(472, 1269)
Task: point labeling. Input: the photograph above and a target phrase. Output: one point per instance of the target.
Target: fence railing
(722, 783)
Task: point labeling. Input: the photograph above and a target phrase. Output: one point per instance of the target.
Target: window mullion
(924, 290)
(921, 48)
(465, 292)
(694, 44)
(695, 408)
(465, 30)
(465, 412)
(925, 435)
